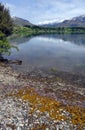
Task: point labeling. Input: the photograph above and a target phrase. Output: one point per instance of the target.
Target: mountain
(21, 22)
(74, 22)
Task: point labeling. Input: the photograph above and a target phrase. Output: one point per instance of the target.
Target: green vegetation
(72, 30)
(53, 69)
(4, 44)
(6, 28)
(6, 25)
(28, 31)
(80, 65)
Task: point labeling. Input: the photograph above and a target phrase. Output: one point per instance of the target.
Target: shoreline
(60, 93)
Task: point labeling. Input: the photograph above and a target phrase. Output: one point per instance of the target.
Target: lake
(50, 52)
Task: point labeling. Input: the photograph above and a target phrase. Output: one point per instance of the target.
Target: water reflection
(78, 39)
(63, 52)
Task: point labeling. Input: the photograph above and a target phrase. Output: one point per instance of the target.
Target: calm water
(62, 52)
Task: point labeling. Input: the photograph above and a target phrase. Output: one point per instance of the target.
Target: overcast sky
(44, 11)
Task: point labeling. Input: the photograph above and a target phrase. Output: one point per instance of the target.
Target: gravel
(15, 113)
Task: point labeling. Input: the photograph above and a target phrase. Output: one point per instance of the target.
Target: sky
(45, 11)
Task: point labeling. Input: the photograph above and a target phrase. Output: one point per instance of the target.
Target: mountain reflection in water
(62, 52)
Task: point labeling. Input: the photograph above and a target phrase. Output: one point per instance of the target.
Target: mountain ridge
(78, 21)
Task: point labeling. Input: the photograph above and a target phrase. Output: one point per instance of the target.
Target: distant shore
(21, 31)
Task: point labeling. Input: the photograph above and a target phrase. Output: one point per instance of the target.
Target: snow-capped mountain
(74, 22)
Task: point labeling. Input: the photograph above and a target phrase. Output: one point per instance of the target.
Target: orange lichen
(77, 115)
(40, 127)
(53, 107)
(41, 103)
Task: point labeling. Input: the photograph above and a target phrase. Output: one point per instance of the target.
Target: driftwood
(17, 62)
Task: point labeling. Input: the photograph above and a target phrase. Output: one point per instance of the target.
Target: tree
(6, 27)
(4, 45)
(6, 24)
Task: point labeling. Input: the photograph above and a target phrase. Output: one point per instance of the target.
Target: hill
(21, 22)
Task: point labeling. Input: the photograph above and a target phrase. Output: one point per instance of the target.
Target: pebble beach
(39, 103)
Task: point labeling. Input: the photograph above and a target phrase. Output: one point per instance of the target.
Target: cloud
(37, 11)
(65, 9)
(11, 7)
(51, 21)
